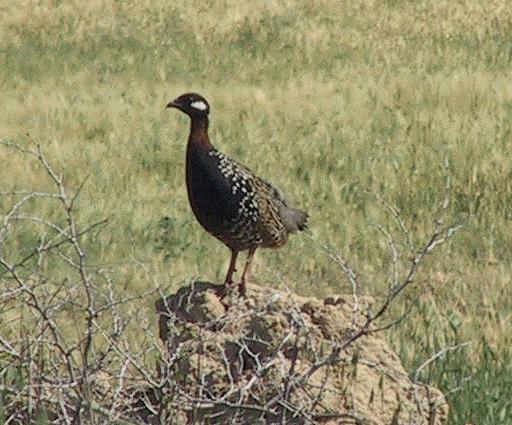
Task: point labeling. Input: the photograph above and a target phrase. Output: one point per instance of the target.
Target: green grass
(478, 389)
(331, 101)
(485, 397)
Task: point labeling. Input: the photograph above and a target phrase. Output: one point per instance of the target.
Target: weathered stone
(269, 339)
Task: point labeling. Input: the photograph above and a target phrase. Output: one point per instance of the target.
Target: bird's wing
(293, 219)
(277, 195)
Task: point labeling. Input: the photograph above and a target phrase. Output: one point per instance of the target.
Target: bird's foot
(229, 287)
(242, 289)
(224, 290)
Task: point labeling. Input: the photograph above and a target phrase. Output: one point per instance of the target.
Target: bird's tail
(295, 219)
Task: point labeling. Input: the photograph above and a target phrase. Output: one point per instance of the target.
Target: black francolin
(240, 209)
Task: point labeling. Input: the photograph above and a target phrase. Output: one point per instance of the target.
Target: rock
(252, 360)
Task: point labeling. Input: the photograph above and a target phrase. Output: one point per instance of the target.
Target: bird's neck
(199, 133)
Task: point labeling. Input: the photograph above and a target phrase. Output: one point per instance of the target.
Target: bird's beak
(173, 104)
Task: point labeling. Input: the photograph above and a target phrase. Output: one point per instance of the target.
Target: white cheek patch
(198, 104)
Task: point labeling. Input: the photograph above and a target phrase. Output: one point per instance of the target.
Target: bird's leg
(247, 271)
(232, 263)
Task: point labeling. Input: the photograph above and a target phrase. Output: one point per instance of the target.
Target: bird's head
(192, 104)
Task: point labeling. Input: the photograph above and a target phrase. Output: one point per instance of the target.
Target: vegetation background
(333, 101)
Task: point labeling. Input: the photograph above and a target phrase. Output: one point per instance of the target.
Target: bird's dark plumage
(240, 209)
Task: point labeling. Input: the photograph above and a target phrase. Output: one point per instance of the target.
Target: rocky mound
(278, 358)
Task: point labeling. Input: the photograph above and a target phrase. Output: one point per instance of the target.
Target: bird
(242, 210)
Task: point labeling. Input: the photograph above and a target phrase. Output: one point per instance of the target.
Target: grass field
(334, 102)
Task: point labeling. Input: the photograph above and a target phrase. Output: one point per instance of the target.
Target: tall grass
(478, 388)
(332, 101)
